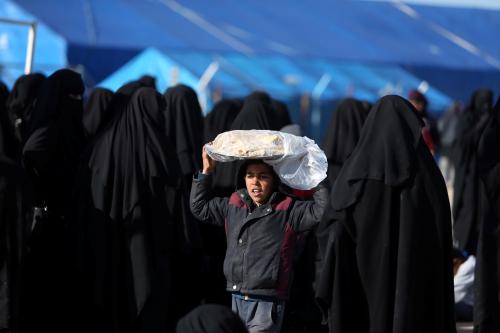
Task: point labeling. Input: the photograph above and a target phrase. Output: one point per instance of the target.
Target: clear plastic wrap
(298, 161)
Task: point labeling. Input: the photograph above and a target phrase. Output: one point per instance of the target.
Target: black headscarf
(377, 155)
(465, 200)
(343, 133)
(282, 115)
(487, 274)
(22, 101)
(211, 318)
(221, 117)
(386, 239)
(184, 126)
(148, 81)
(95, 112)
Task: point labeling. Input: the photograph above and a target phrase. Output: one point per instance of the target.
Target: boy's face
(259, 182)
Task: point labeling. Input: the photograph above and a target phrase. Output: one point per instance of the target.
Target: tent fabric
(365, 47)
(366, 30)
(50, 47)
(151, 62)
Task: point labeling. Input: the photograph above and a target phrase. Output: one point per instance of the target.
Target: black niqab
(184, 126)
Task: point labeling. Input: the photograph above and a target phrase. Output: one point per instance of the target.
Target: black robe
(95, 113)
(487, 274)
(122, 237)
(221, 117)
(184, 127)
(342, 134)
(14, 222)
(465, 201)
(386, 240)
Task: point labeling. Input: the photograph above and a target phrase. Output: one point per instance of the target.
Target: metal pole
(208, 75)
(30, 50)
(205, 79)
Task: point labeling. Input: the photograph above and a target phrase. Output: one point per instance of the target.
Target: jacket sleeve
(204, 207)
(307, 214)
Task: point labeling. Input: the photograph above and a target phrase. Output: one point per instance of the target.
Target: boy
(261, 226)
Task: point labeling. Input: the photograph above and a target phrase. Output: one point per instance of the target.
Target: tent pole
(205, 79)
(30, 50)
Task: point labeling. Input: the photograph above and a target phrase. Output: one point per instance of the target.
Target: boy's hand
(208, 162)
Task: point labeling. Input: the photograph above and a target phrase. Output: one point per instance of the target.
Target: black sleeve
(307, 214)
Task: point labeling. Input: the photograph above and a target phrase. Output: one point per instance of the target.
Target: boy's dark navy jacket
(260, 240)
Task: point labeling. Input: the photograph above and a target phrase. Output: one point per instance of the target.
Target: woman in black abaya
(51, 155)
(184, 127)
(386, 242)
(465, 198)
(123, 237)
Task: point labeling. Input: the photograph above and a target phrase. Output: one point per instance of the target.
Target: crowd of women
(96, 234)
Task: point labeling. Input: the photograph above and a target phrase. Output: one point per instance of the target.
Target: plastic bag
(298, 161)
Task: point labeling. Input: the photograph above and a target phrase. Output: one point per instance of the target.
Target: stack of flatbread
(242, 144)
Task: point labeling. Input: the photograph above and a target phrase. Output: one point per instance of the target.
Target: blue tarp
(154, 63)
(270, 44)
(50, 48)
(345, 30)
